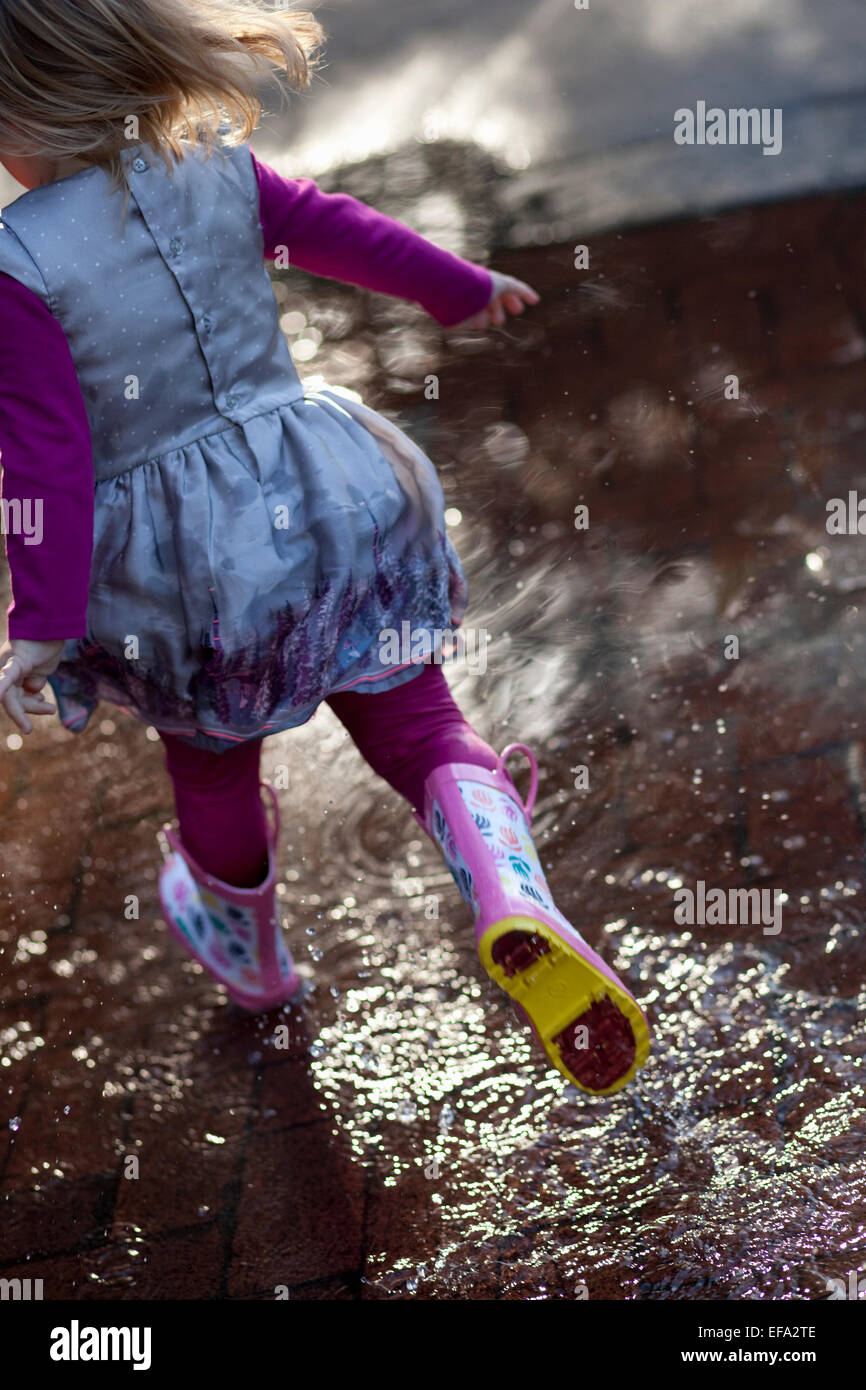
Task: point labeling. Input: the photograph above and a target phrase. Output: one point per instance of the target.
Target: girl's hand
(508, 297)
(24, 667)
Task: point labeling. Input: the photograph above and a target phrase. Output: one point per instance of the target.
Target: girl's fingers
(18, 706)
(10, 677)
(37, 704)
(13, 707)
(512, 298)
(527, 292)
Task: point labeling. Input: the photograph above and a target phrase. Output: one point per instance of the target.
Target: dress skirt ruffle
(243, 578)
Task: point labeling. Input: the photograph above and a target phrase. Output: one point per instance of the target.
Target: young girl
(248, 542)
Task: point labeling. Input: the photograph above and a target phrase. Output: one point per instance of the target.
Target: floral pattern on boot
(455, 861)
(221, 935)
(506, 834)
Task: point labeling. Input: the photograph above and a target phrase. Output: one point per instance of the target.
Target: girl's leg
(220, 810)
(406, 732)
(590, 1026)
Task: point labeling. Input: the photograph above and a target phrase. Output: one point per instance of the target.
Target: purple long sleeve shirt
(47, 462)
(45, 447)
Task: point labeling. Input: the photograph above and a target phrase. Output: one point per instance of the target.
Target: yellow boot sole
(560, 993)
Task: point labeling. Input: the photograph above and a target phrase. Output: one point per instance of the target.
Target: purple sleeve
(335, 235)
(47, 471)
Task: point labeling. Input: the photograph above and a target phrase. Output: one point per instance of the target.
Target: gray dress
(253, 540)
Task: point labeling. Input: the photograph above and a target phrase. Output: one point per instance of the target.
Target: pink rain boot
(234, 932)
(588, 1023)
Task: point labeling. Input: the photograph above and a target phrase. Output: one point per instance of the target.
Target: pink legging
(403, 734)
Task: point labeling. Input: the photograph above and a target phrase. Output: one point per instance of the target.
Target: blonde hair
(88, 78)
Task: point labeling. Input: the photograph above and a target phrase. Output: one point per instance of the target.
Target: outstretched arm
(47, 501)
(335, 235)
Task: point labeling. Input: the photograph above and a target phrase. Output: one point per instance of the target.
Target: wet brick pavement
(409, 1142)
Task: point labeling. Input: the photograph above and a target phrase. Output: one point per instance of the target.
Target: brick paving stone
(430, 1206)
(181, 1266)
(741, 460)
(809, 709)
(823, 403)
(816, 325)
(68, 1127)
(802, 821)
(20, 1040)
(307, 1193)
(188, 1156)
(287, 1097)
(54, 1216)
(725, 335)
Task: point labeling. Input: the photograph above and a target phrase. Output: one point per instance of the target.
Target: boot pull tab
(533, 783)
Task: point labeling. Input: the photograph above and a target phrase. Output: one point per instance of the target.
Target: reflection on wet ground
(409, 1141)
